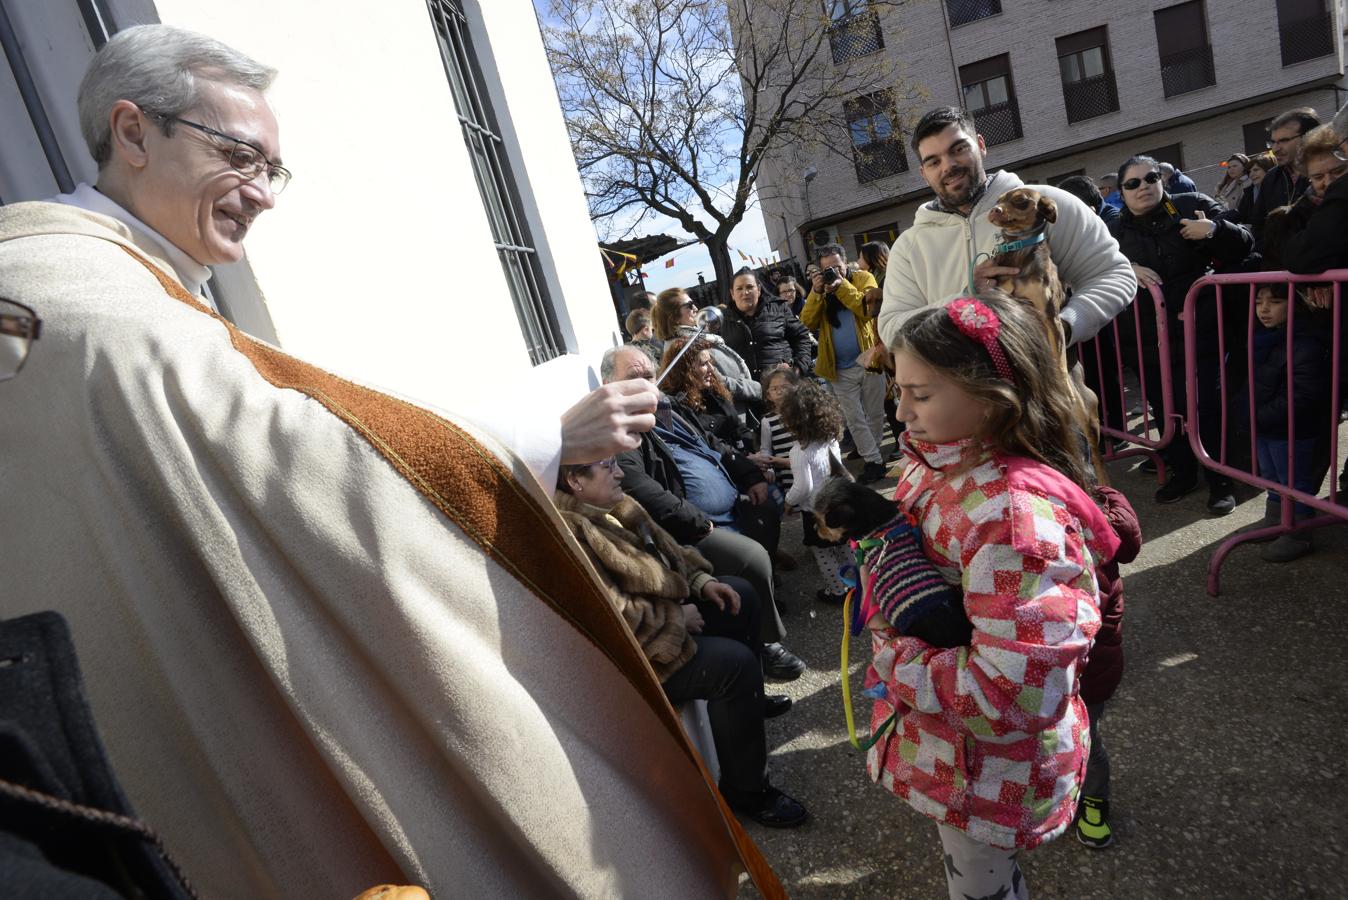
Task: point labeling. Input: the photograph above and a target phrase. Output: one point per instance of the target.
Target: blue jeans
(1272, 454)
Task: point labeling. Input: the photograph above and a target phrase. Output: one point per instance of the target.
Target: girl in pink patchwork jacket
(991, 739)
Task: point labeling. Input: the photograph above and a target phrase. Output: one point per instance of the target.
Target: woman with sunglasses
(699, 633)
(674, 315)
(1172, 241)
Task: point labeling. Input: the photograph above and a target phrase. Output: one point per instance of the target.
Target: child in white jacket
(812, 414)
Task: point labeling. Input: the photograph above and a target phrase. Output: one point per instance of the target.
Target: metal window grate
(962, 12)
(1304, 39)
(495, 183)
(999, 123)
(1187, 71)
(855, 37)
(879, 160)
(1090, 97)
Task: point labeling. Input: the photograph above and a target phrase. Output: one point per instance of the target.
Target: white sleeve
(802, 479)
(902, 296)
(1088, 258)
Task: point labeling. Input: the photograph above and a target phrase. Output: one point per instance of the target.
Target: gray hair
(609, 364)
(159, 68)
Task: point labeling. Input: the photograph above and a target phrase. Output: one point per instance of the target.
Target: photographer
(836, 310)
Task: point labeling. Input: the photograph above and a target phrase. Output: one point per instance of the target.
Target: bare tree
(673, 105)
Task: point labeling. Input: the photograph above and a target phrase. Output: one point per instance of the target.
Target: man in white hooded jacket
(930, 263)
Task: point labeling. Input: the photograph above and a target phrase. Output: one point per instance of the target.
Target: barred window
(1087, 76)
(962, 12)
(877, 147)
(1186, 54)
(855, 31)
(496, 184)
(990, 98)
(1305, 30)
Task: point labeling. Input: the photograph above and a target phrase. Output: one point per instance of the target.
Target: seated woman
(698, 392)
(700, 634)
(675, 315)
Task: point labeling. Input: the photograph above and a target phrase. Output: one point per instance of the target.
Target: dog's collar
(1011, 246)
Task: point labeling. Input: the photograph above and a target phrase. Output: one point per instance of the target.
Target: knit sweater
(992, 738)
(929, 263)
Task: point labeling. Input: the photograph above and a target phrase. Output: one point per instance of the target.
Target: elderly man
(929, 263)
(679, 466)
(331, 638)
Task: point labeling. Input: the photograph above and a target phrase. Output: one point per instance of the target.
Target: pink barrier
(1115, 408)
(1332, 511)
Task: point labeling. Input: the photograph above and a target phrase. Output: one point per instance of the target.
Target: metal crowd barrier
(1110, 355)
(1229, 289)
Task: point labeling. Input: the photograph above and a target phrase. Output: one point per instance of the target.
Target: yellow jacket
(849, 292)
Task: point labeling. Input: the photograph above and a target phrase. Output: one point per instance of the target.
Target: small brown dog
(1022, 215)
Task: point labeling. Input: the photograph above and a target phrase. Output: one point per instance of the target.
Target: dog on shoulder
(1022, 216)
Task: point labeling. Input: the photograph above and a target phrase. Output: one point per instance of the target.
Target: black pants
(1102, 376)
(763, 523)
(727, 674)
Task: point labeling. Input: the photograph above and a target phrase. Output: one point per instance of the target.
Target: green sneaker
(1093, 823)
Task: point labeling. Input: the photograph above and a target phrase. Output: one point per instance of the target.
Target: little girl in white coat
(812, 414)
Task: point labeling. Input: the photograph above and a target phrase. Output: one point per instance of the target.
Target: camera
(830, 275)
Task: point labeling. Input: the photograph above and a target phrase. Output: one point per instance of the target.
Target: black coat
(1323, 243)
(1310, 380)
(771, 336)
(1155, 241)
(719, 417)
(652, 478)
(1279, 188)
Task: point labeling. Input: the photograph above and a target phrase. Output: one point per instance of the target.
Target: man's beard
(976, 176)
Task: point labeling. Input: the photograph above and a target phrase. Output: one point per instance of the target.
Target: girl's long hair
(811, 413)
(681, 378)
(1034, 416)
(876, 254)
(1244, 164)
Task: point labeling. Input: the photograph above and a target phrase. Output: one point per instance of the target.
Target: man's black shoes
(768, 807)
(775, 705)
(781, 664)
(873, 471)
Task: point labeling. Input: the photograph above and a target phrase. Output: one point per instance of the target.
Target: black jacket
(1310, 380)
(1279, 188)
(1155, 241)
(771, 336)
(652, 478)
(718, 417)
(1323, 243)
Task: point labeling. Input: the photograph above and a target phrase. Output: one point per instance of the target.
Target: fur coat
(648, 593)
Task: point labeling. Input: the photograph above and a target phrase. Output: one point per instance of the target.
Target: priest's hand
(608, 421)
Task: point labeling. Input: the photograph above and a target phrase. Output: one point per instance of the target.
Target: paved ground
(1228, 736)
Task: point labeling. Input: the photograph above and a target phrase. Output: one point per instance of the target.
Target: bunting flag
(669, 263)
(742, 256)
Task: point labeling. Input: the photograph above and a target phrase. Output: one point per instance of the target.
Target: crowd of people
(334, 638)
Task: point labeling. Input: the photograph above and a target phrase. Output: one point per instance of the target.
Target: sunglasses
(1133, 184)
(689, 305)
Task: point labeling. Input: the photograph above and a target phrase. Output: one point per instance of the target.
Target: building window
(962, 12)
(1088, 87)
(495, 183)
(1256, 137)
(887, 233)
(1171, 153)
(1186, 55)
(1305, 30)
(855, 31)
(990, 98)
(877, 147)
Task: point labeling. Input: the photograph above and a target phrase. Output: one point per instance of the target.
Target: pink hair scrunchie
(976, 321)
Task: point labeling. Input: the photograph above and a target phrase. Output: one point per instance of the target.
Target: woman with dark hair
(765, 334)
(874, 258)
(675, 316)
(1260, 165)
(699, 633)
(696, 389)
(1232, 186)
(1172, 242)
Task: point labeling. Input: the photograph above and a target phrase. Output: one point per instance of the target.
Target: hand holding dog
(987, 272)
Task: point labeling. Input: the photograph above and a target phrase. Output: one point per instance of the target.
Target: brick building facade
(1057, 87)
